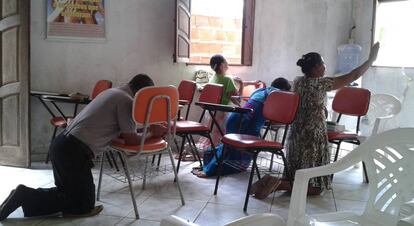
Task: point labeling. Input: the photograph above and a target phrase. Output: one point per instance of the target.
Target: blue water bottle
(348, 57)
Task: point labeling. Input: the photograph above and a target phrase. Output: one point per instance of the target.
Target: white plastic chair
(388, 157)
(175, 221)
(382, 107)
(263, 219)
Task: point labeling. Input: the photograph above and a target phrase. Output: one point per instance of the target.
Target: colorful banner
(76, 19)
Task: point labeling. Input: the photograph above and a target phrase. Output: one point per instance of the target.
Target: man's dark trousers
(75, 191)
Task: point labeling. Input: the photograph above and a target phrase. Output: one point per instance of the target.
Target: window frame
(374, 20)
(247, 35)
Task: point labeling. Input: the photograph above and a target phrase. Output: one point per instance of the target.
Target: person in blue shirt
(251, 124)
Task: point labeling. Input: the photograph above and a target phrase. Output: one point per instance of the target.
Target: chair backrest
(152, 104)
(351, 101)
(186, 90)
(388, 157)
(281, 107)
(250, 86)
(382, 106)
(211, 93)
(100, 86)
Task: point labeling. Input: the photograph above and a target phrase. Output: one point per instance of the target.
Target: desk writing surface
(40, 93)
(65, 99)
(225, 108)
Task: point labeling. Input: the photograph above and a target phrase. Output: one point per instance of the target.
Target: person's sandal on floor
(269, 187)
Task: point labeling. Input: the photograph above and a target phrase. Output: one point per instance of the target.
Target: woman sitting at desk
(251, 124)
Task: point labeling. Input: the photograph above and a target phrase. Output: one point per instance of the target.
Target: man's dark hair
(140, 81)
(281, 83)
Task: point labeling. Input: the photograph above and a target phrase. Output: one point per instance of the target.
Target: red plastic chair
(186, 91)
(152, 105)
(61, 122)
(211, 94)
(100, 86)
(279, 107)
(349, 101)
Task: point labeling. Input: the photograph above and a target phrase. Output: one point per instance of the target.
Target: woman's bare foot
(201, 174)
(198, 172)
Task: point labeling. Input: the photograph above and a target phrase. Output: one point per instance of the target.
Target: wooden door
(182, 30)
(14, 82)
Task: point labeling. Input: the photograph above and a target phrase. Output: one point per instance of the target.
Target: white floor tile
(217, 214)
(134, 222)
(156, 208)
(96, 220)
(161, 197)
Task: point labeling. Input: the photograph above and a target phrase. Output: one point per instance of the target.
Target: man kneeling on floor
(108, 116)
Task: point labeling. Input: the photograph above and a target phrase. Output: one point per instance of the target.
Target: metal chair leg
(181, 154)
(114, 160)
(159, 161)
(126, 170)
(194, 150)
(98, 193)
(220, 162)
(258, 172)
(289, 176)
(153, 159)
(271, 162)
(108, 158)
(246, 201)
(144, 180)
(176, 176)
(364, 168)
(338, 146)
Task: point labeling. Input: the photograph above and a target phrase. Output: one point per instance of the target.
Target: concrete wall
(395, 81)
(140, 39)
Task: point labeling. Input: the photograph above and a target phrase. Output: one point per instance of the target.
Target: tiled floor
(161, 198)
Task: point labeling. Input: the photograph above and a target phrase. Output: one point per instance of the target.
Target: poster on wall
(76, 19)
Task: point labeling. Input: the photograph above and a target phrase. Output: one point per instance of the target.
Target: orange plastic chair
(100, 86)
(354, 102)
(186, 91)
(152, 105)
(211, 94)
(279, 107)
(61, 122)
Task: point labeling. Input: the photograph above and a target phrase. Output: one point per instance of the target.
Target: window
(208, 27)
(393, 29)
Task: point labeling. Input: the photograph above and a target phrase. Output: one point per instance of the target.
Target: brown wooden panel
(248, 32)
(186, 3)
(182, 32)
(183, 47)
(9, 7)
(183, 21)
(10, 121)
(9, 55)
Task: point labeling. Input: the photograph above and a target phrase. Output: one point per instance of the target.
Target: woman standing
(308, 141)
